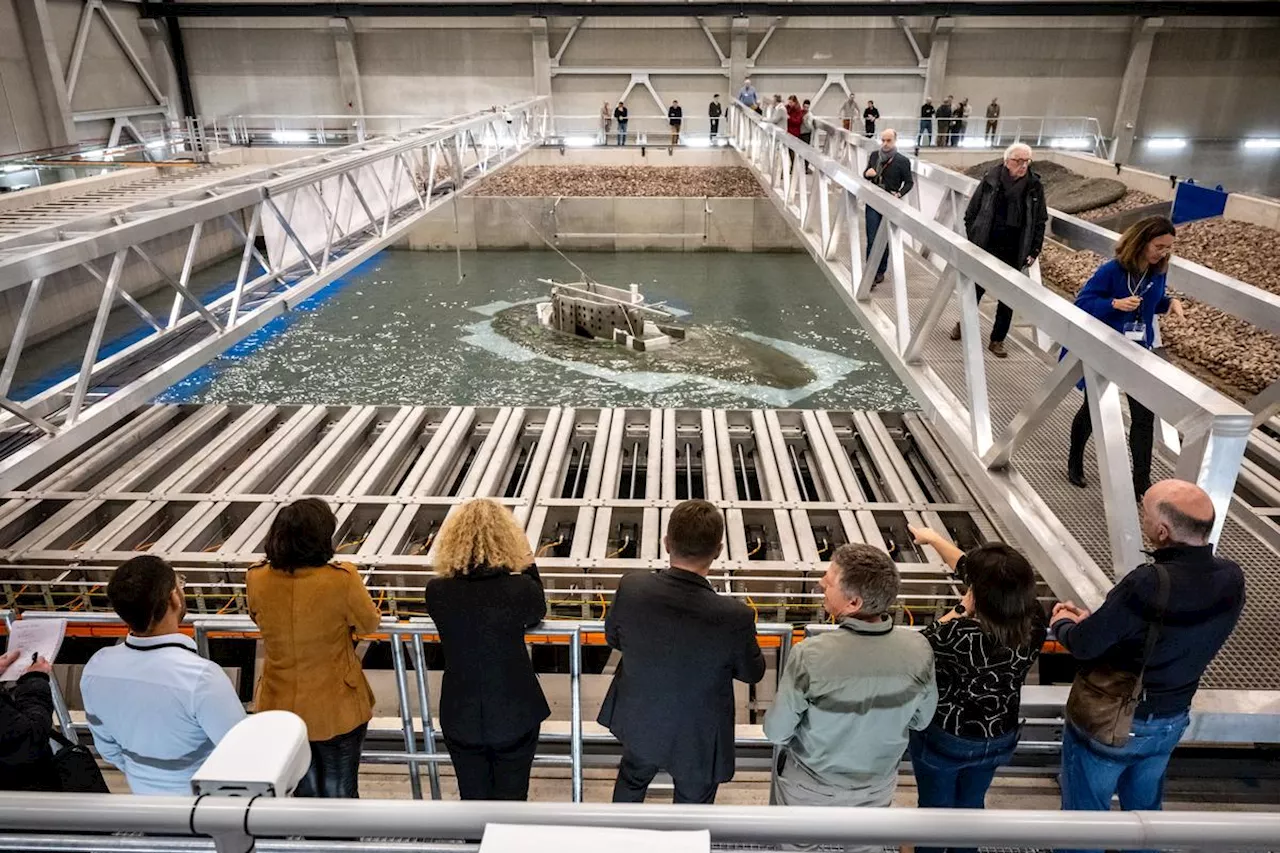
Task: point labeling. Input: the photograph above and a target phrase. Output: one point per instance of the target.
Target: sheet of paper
(520, 838)
(41, 636)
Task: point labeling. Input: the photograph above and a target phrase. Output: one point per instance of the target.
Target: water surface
(405, 328)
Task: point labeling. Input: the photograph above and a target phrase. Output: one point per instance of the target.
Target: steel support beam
(1131, 87)
(712, 8)
(936, 65)
(348, 67)
(46, 72)
(542, 55)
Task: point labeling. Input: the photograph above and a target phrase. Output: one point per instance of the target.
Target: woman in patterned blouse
(983, 650)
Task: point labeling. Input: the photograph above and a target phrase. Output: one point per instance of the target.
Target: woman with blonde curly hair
(486, 593)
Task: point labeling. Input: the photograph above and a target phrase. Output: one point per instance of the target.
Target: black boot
(1075, 473)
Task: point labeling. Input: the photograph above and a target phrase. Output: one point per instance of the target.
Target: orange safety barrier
(589, 638)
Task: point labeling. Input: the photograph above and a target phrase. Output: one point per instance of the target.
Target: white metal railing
(822, 195)
(398, 633)
(235, 825)
(320, 215)
(1079, 133)
(590, 130)
(948, 190)
(282, 129)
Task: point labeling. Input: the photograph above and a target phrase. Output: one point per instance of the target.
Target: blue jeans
(955, 772)
(622, 131)
(1092, 772)
(873, 225)
(925, 136)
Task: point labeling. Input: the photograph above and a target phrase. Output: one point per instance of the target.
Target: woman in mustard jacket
(310, 610)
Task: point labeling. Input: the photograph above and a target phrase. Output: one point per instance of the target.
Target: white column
(166, 72)
(1131, 86)
(936, 70)
(541, 57)
(348, 69)
(46, 71)
(739, 59)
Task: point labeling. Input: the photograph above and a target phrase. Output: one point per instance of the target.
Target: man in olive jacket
(671, 702)
(1007, 216)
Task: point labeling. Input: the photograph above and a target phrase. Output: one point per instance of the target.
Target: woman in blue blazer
(1126, 293)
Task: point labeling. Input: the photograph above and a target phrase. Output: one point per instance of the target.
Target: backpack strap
(1154, 626)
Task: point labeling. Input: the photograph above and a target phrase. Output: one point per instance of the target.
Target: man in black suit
(671, 701)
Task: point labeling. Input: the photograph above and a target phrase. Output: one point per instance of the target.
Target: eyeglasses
(1022, 161)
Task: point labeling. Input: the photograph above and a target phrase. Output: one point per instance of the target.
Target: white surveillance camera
(265, 755)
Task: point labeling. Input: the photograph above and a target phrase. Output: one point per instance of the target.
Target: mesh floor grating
(1251, 658)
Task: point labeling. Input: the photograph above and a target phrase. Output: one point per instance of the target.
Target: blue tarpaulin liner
(1191, 201)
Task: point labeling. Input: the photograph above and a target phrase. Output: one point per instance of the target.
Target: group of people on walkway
(947, 124)
(850, 700)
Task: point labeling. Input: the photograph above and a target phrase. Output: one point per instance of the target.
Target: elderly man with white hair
(1007, 216)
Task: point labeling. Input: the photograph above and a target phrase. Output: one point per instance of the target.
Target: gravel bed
(644, 181)
(1233, 355)
(1064, 189)
(1132, 199)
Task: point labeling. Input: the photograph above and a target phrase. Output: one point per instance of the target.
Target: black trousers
(635, 774)
(493, 771)
(873, 227)
(1142, 427)
(1004, 318)
(715, 126)
(335, 767)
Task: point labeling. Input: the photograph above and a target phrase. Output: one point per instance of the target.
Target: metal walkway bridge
(1005, 423)
(319, 216)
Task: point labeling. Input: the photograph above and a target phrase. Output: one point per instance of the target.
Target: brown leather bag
(1103, 698)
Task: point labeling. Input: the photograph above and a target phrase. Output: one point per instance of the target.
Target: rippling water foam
(406, 330)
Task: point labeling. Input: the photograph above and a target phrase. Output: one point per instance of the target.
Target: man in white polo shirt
(155, 707)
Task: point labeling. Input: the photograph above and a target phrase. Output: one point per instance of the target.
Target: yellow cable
(544, 548)
(625, 542)
(756, 550)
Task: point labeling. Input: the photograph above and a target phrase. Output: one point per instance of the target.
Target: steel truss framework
(593, 488)
(320, 215)
(120, 117)
(822, 196)
(947, 192)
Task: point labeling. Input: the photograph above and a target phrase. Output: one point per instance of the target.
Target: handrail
(234, 823)
(831, 231)
(397, 632)
(1231, 295)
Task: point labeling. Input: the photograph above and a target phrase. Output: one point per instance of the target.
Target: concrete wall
(21, 122)
(1213, 83)
(606, 225)
(1037, 66)
(1037, 71)
(252, 70)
